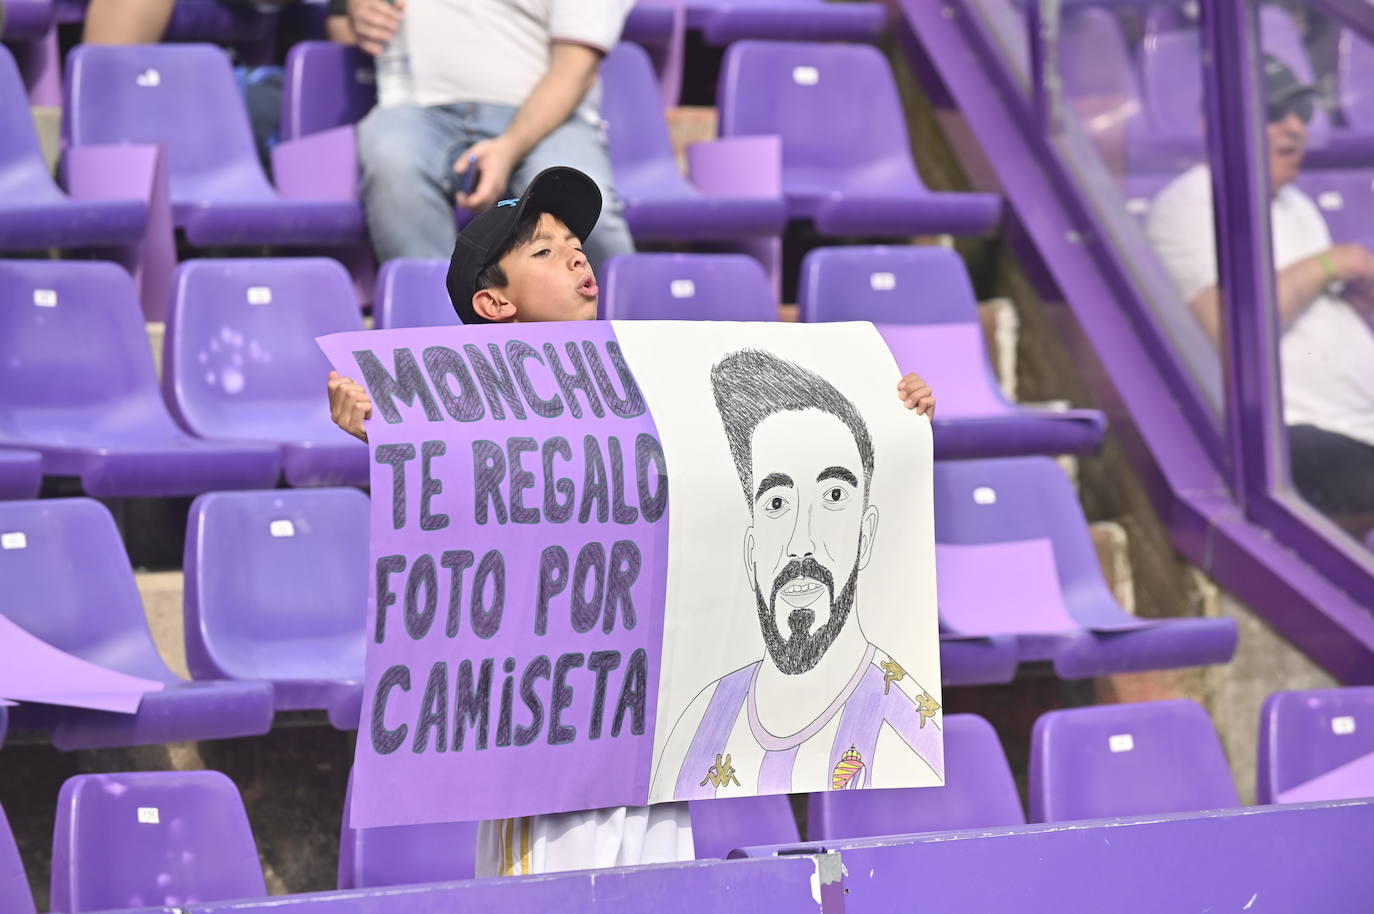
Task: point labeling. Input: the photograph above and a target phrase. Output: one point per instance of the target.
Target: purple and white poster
(618, 563)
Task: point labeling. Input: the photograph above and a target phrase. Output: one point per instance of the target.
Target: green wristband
(1327, 268)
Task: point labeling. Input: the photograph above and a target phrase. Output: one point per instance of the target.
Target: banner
(551, 630)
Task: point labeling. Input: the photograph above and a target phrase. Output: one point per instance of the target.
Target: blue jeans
(407, 153)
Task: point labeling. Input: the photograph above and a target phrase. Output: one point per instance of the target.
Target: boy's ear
(493, 306)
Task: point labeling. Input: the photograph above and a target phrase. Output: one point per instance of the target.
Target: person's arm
(349, 405)
(373, 23)
(572, 71)
(1298, 285)
(916, 394)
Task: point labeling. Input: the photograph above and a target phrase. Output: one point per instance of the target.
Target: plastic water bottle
(395, 82)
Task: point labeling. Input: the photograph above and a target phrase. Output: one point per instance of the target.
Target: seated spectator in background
(1325, 299)
(508, 87)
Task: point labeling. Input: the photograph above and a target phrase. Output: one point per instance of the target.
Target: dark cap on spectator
(559, 191)
(1283, 92)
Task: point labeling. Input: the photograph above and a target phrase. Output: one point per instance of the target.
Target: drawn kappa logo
(721, 773)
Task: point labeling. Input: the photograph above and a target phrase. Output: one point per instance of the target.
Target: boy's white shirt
(588, 839)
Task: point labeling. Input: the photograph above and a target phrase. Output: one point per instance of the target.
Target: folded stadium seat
(276, 590)
(979, 792)
(659, 27)
(1020, 517)
(325, 85)
(15, 897)
(27, 19)
(404, 854)
(855, 176)
(240, 362)
(924, 304)
(1355, 80)
(97, 615)
(1346, 200)
(183, 98)
(152, 839)
(721, 824)
(676, 287)
(723, 21)
(412, 292)
(1127, 760)
(34, 213)
(1101, 85)
(85, 392)
(1316, 745)
(21, 473)
(660, 204)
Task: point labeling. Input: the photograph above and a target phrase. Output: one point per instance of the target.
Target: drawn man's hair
(750, 385)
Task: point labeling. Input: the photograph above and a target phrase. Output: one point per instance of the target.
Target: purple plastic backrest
(413, 293)
(180, 96)
(1093, 59)
(1171, 76)
(1310, 734)
(85, 351)
(722, 824)
(21, 160)
(325, 85)
(151, 838)
(886, 285)
(1344, 198)
(276, 584)
(404, 854)
(95, 615)
(15, 897)
(1125, 760)
(1355, 62)
(673, 287)
(1018, 498)
(632, 108)
(789, 89)
(240, 345)
(979, 792)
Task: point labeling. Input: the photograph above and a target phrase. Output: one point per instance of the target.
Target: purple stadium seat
(15, 897)
(724, 21)
(240, 362)
(26, 19)
(1355, 68)
(34, 214)
(151, 838)
(1019, 516)
(661, 204)
(722, 824)
(4, 729)
(924, 297)
(404, 854)
(1127, 760)
(97, 616)
(413, 293)
(85, 394)
(184, 98)
(1346, 200)
(276, 589)
(675, 287)
(979, 792)
(21, 473)
(1316, 745)
(1100, 80)
(855, 177)
(326, 85)
(659, 26)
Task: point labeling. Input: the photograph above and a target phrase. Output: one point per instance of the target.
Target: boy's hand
(349, 405)
(916, 394)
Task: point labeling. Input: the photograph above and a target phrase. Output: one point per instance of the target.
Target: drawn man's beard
(803, 649)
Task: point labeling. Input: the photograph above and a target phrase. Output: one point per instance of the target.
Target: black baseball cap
(1284, 92)
(560, 191)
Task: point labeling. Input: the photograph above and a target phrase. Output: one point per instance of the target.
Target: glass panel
(1319, 80)
(1131, 84)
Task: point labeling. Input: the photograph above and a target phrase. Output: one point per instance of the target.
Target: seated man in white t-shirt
(505, 87)
(1325, 299)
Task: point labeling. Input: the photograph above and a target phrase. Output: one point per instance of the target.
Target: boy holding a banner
(522, 261)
